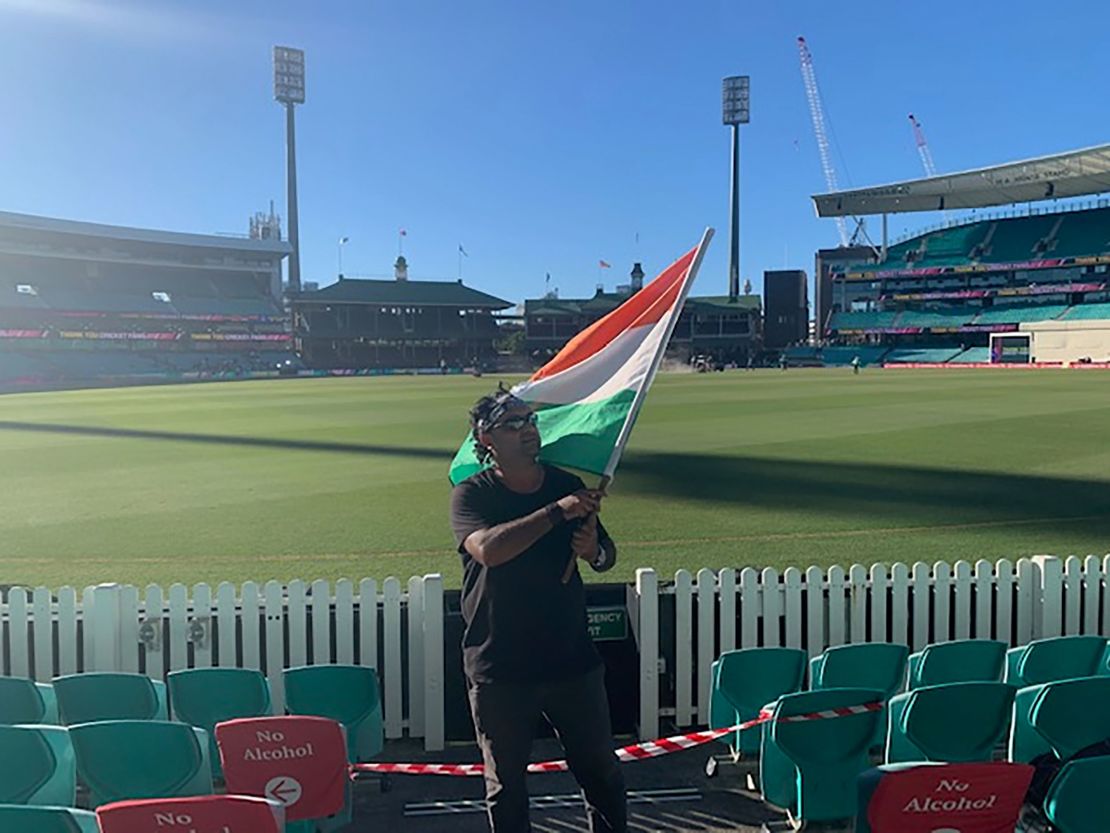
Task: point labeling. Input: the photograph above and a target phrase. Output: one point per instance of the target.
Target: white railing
(113, 627)
(818, 608)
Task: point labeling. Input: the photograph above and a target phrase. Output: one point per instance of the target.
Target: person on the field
(527, 652)
(855, 365)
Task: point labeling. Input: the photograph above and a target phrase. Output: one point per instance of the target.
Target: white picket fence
(815, 609)
(112, 627)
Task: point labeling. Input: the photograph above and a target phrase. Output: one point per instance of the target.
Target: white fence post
(647, 602)
(390, 672)
(707, 587)
(434, 731)
(18, 629)
(106, 649)
(684, 649)
(1051, 607)
(416, 657)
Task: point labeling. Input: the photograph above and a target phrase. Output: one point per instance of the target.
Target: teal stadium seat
(951, 723)
(1026, 743)
(37, 766)
(347, 694)
(962, 661)
(24, 819)
(130, 759)
(1072, 714)
(1078, 800)
(84, 698)
(1055, 658)
(203, 697)
(809, 768)
(25, 701)
(877, 665)
(745, 681)
(973, 354)
(1089, 312)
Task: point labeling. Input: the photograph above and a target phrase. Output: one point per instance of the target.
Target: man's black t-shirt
(522, 623)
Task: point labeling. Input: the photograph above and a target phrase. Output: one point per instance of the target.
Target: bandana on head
(505, 402)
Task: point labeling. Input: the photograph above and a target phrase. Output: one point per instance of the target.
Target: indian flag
(588, 396)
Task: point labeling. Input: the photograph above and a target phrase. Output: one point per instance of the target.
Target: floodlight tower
(289, 90)
(735, 91)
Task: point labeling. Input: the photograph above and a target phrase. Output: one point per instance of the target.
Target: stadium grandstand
(86, 304)
(359, 324)
(712, 327)
(1028, 286)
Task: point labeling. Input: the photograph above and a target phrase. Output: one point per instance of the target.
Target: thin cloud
(135, 22)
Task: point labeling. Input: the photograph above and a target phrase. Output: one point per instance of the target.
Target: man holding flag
(526, 649)
(522, 523)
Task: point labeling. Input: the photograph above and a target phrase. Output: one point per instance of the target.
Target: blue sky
(542, 137)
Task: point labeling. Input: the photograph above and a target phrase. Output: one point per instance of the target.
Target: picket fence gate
(111, 627)
(682, 626)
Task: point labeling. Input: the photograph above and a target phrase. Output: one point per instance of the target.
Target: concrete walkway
(675, 794)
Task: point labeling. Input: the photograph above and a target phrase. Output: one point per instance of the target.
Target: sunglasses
(515, 423)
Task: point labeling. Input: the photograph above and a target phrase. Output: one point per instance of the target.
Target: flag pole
(641, 394)
(657, 360)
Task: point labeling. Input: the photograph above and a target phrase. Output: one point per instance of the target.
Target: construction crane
(817, 113)
(923, 147)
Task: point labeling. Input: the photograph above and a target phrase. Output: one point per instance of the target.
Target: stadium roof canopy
(1073, 174)
(425, 293)
(32, 224)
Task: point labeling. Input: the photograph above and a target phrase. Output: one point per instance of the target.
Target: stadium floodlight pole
(289, 90)
(735, 92)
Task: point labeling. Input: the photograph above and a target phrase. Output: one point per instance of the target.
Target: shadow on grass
(898, 495)
(230, 440)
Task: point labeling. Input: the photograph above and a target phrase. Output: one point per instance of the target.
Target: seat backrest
(962, 661)
(27, 765)
(84, 698)
(1057, 658)
(25, 819)
(347, 694)
(926, 798)
(128, 759)
(874, 665)
(298, 760)
(750, 678)
(1072, 714)
(824, 740)
(203, 697)
(1078, 800)
(20, 701)
(203, 814)
(1026, 743)
(827, 752)
(957, 722)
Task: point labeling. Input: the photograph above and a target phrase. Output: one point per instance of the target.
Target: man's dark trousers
(506, 716)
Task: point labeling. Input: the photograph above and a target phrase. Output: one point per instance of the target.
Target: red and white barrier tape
(634, 752)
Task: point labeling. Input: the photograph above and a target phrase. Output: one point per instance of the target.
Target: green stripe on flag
(578, 436)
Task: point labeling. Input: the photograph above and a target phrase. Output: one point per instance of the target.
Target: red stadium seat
(297, 760)
(198, 814)
(924, 798)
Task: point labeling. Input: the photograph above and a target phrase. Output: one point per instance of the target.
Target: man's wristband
(555, 514)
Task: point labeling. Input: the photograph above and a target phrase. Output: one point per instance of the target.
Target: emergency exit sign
(607, 624)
